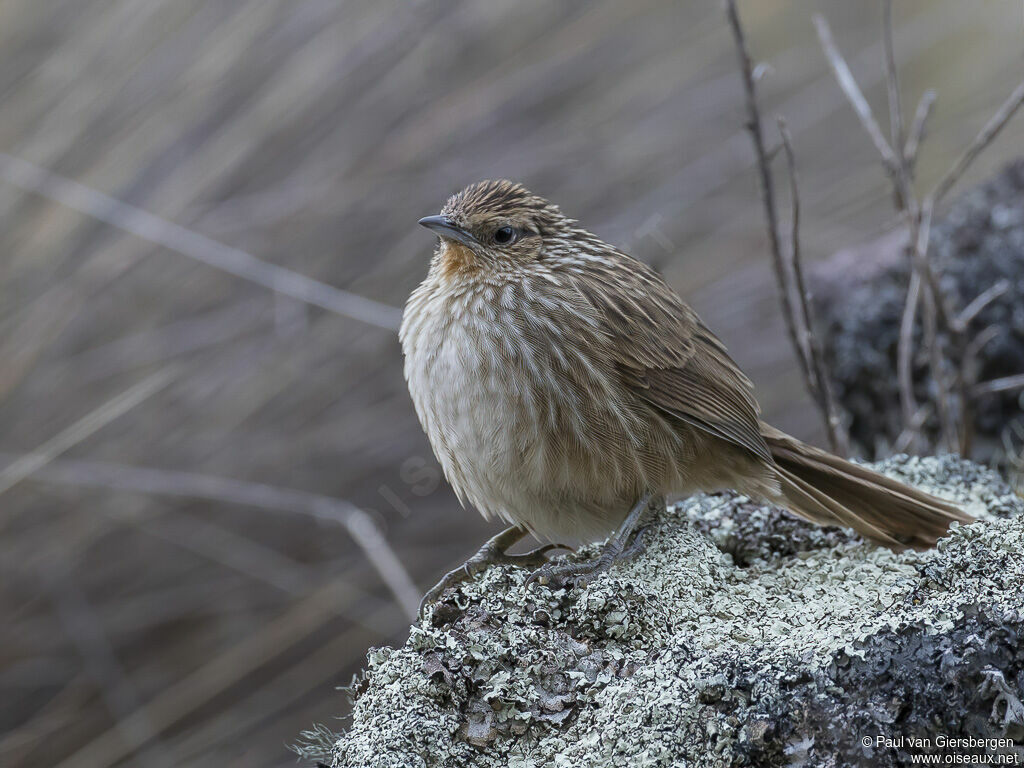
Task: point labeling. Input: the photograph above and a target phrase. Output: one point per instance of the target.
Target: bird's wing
(668, 358)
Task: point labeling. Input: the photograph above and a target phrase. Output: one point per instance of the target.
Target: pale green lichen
(692, 653)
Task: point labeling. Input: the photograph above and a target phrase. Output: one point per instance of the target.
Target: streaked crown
(503, 200)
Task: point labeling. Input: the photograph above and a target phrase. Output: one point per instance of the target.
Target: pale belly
(528, 442)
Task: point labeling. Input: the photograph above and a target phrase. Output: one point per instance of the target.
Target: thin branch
(946, 315)
(919, 219)
(24, 466)
(966, 368)
(854, 95)
(892, 79)
(905, 357)
(917, 128)
(175, 237)
(947, 422)
(982, 140)
(980, 341)
(754, 126)
(935, 313)
(906, 439)
(892, 87)
(920, 228)
(795, 266)
(894, 164)
(812, 349)
(764, 176)
(938, 314)
(1005, 384)
(969, 370)
(976, 307)
(358, 523)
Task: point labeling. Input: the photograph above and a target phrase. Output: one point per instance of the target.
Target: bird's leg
(493, 552)
(617, 548)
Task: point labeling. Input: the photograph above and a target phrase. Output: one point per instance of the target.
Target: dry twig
(234, 261)
(837, 438)
(982, 140)
(24, 466)
(1005, 384)
(754, 126)
(892, 87)
(192, 485)
(799, 324)
(967, 382)
(905, 361)
(854, 95)
(892, 80)
(917, 128)
(905, 440)
(898, 158)
(982, 300)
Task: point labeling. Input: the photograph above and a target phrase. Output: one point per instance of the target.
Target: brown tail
(831, 491)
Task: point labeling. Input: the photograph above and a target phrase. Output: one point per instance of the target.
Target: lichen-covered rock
(859, 298)
(739, 637)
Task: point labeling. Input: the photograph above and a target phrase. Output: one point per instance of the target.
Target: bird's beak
(447, 228)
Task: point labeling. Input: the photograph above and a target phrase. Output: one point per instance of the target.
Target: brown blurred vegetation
(139, 605)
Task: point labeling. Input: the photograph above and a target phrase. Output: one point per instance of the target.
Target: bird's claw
(561, 575)
(579, 575)
(490, 554)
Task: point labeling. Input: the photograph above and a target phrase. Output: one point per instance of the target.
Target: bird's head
(497, 224)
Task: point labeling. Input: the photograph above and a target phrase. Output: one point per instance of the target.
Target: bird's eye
(504, 236)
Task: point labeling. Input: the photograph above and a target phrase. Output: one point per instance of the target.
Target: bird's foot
(627, 542)
(563, 574)
(493, 552)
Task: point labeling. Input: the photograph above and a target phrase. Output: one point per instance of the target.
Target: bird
(567, 390)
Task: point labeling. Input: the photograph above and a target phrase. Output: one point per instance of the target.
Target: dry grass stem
(905, 356)
(938, 316)
(1005, 384)
(918, 127)
(193, 485)
(25, 465)
(799, 324)
(983, 139)
(173, 236)
(822, 389)
(846, 81)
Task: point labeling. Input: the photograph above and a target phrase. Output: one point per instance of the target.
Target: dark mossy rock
(739, 637)
(859, 298)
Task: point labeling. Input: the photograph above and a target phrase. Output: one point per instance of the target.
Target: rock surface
(859, 298)
(740, 637)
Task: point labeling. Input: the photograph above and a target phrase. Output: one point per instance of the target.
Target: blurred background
(215, 494)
